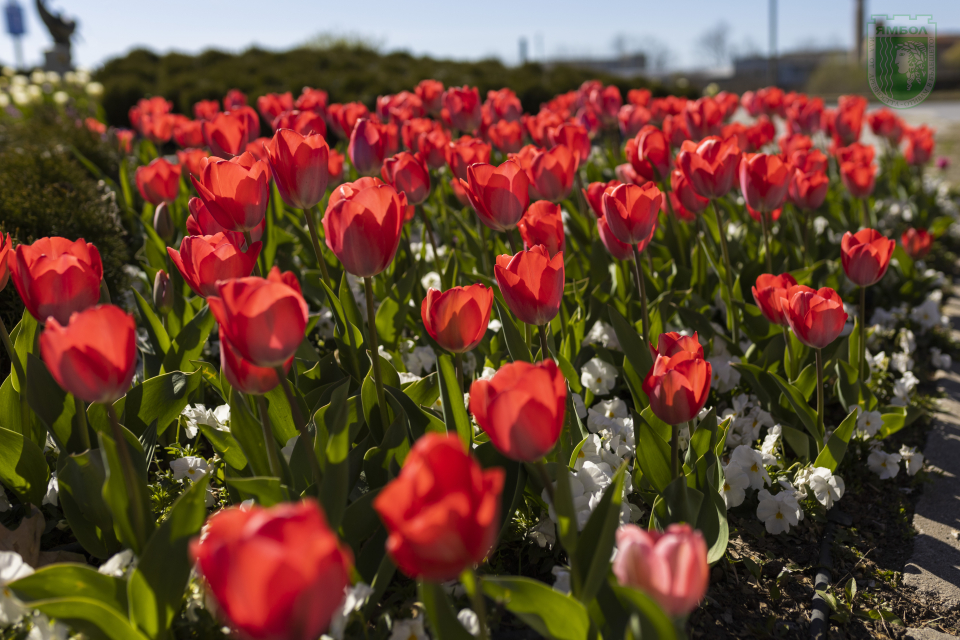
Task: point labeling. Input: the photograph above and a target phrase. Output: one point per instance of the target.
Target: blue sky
(464, 30)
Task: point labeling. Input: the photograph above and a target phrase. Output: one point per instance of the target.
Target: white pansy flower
(494, 325)
(578, 404)
(724, 377)
(406, 377)
(877, 362)
(885, 465)
(222, 414)
(753, 464)
(927, 315)
(869, 423)
(901, 362)
(545, 533)
(827, 488)
(603, 334)
(599, 376)
(470, 621)
(119, 564)
(409, 630)
(12, 567)
(488, 373)
(198, 414)
(771, 440)
(912, 458)
(903, 387)
(778, 512)
(46, 629)
(53, 490)
(189, 467)
(354, 597)
(939, 359)
(431, 280)
(735, 484)
(907, 341)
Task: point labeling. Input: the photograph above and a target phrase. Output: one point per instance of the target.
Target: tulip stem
(642, 287)
(317, 249)
(301, 427)
(674, 227)
(270, 442)
(766, 241)
(820, 394)
(428, 231)
(129, 473)
(375, 353)
(458, 368)
(542, 330)
(793, 360)
(256, 264)
(674, 450)
(863, 333)
(479, 604)
(735, 321)
(81, 412)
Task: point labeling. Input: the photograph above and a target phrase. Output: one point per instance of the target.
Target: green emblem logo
(901, 58)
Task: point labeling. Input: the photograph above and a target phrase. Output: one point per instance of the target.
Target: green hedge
(348, 73)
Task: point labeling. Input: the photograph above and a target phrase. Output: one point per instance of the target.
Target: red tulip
(504, 105)
(95, 126)
(312, 100)
(689, 199)
(672, 343)
(234, 100)
(710, 165)
(430, 93)
(552, 173)
(532, 284)
(335, 167)
(805, 116)
(632, 211)
(808, 187)
(459, 192)
(626, 174)
(499, 195)
(246, 377)
(226, 135)
(670, 567)
(206, 109)
(521, 408)
(506, 136)
(680, 211)
(303, 122)
(362, 225)
(300, 166)
(885, 124)
(159, 181)
(916, 242)
(276, 573)
(794, 142)
(542, 224)
(205, 260)
(650, 154)
(631, 119)
(574, 137)
(464, 152)
(272, 105)
(767, 293)
(407, 172)
(728, 103)
(368, 147)
(158, 128)
(859, 179)
(593, 194)
(442, 512)
(201, 223)
(251, 121)
(188, 133)
(56, 277)
(462, 106)
(94, 356)
(457, 318)
(619, 250)
(263, 318)
(190, 159)
(6, 259)
(703, 118)
(849, 119)
(538, 125)
(675, 130)
(236, 192)
(865, 256)
(919, 147)
(343, 117)
(639, 97)
(816, 317)
(124, 139)
(764, 181)
(678, 384)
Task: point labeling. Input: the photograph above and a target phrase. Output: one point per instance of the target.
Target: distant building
(792, 70)
(627, 66)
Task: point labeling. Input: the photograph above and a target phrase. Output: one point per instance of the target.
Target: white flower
(752, 462)
(222, 414)
(869, 423)
(683, 437)
(820, 225)
(190, 467)
(545, 533)
(488, 373)
(901, 362)
(406, 377)
(907, 341)
(778, 512)
(578, 405)
(562, 581)
(119, 564)
(419, 360)
(353, 599)
(197, 414)
(61, 97)
(53, 490)
(903, 387)
(724, 377)
(883, 318)
(469, 364)
(735, 483)
(287, 450)
(827, 488)
(325, 323)
(12, 567)
(494, 325)
(95, 89)
(771, 440)
(602, 333)
(939, 359)
(927, 315)
(885, 465)
(409, 630)
(386, 355)
(46, 629)
(912, 458)
(431, 281)
(599, 376)
(877, 362)
(470, 621)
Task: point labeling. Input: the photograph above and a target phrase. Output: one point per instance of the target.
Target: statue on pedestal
(61, 29)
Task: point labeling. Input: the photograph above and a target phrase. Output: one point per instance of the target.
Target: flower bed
(635, 377)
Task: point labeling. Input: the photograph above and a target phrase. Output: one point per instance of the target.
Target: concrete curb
(934, 567)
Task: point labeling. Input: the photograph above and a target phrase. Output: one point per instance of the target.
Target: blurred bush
(348, 71)
(46, 191)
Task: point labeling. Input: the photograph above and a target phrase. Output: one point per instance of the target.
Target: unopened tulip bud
(162, 292)
(163, 223)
